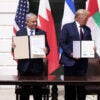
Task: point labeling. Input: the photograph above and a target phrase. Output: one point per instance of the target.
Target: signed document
(29, 47)
(87, 49)
(83, 49)
(37, 44)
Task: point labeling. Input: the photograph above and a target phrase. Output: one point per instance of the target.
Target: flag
(69, 11)
(46, 23)
(94, 22)
(68, 16)
(20, 17)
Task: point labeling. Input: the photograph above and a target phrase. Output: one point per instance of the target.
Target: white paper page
(37, 44)
(87, 49)
(76, 49)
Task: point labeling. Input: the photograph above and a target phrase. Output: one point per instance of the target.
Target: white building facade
(7, 14)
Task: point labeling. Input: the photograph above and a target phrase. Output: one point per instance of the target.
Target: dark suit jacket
(31, 66)
(68, 34)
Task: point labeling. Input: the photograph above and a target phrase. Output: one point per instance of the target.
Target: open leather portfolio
(29, 47)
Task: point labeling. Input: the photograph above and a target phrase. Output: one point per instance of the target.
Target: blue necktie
(31, 32)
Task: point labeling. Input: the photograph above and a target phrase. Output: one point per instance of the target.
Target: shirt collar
(78, 25)
(28, 31)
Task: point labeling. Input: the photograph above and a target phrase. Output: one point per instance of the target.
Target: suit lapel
(85, 33)
(24, 32)
(37, 32)
(76, 31)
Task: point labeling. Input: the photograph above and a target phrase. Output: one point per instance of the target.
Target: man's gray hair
(29, 15)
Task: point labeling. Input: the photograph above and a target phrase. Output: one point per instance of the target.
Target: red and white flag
(46, 23)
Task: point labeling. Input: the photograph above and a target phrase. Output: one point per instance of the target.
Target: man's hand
(45, 50)
(71, 55)
(94, 48)
(13, 45)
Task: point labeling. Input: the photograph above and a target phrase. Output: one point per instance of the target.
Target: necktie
(81, 33)
(31, 32)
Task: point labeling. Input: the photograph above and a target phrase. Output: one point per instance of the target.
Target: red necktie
(81, 33)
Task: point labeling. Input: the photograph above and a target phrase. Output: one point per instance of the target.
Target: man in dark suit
(31, 66)
(74, 66)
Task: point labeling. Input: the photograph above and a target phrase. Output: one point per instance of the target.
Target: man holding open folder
(73, 66)
(31, 66)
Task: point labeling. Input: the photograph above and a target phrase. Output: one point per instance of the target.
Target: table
(49, 80)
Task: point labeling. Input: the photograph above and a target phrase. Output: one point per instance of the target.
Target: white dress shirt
(78, 27)
(28, 31)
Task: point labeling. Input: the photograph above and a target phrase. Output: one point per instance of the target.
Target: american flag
(20, 17)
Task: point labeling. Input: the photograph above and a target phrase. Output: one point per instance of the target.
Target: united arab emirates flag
(94, 22)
